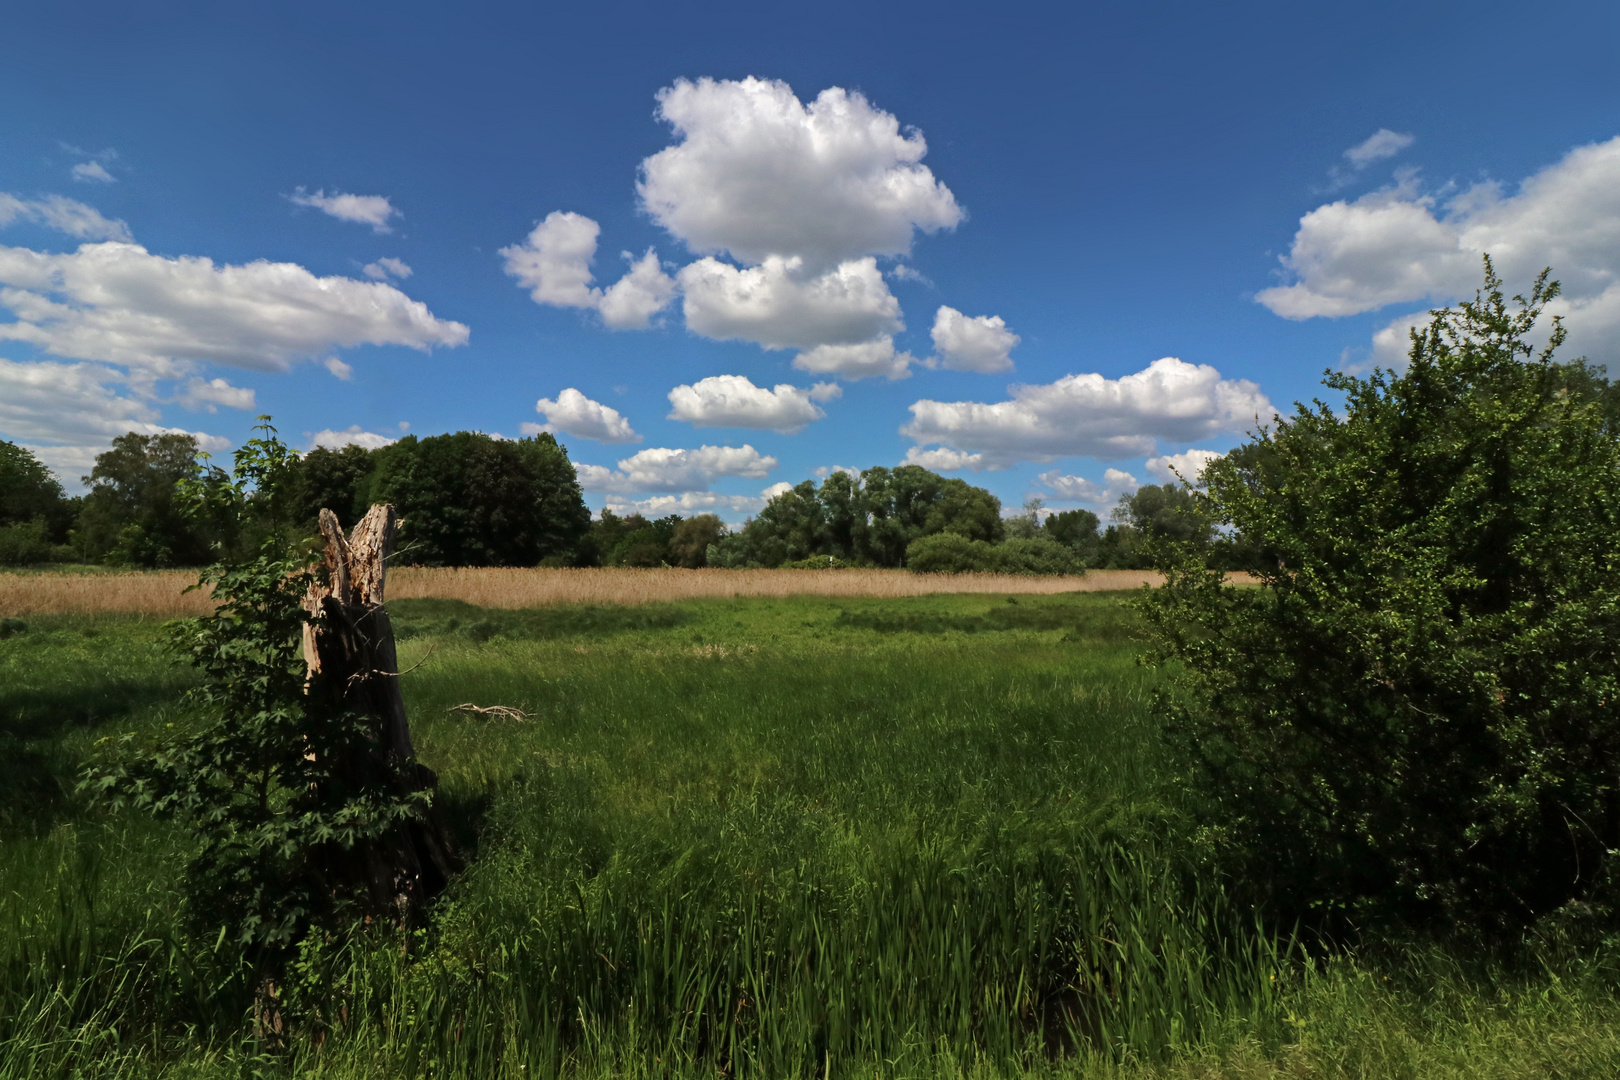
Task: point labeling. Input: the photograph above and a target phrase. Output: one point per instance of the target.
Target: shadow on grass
(414, 618)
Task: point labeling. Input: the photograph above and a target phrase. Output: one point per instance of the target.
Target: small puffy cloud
(1188, 466)
(757, 173)
(1092, 416)
(93, 171)
(1116, 482)
(118, 303)
(387, 267)
(64, 215)
(902, 272)
(734, 401)
(692, 502)
(207, 395)
(861, 361)
(981, 343)
(338, 368)
(778, 306)
(1401, 245)
(943, 459)
(353, 435)
(1381, 144)
(664, 470)
(821, 472)
(554, 264)
(373, 210)
(572, 413)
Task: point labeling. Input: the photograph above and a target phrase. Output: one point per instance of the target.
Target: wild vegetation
(1357, 821)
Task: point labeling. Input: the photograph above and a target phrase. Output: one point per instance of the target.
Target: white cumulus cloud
(1188, 465)
(353, 435)
(69, 413)
(1402, 245)
(118, 303)
(1092, 416)
(943, 459)
(757, 173)
(64, 215)
(373, 210)
(572, 413)
(664, 470)
(1116, 482)
(860, 361)
(209, 394)
(554, 264)
(734, 401)
(692, 502)
(981, 343)
(776, 305)
(1381, 144)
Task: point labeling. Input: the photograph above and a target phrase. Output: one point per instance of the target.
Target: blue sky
(1052, 249)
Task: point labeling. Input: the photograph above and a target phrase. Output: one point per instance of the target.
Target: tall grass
(162, 593)
(768, 837)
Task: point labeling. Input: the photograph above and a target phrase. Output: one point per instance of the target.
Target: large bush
(1413, 718)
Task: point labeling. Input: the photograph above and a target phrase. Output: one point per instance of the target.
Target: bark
(349, 648)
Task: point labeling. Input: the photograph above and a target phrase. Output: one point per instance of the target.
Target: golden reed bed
(161, 594)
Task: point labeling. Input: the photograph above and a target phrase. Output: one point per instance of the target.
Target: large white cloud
(860, 361)
(572, 413)
(1091, 416)
(1401, 245)
(62, 214)
(373, 210)
(734, 401)
(776, 305)
(118, 303)
(554, 264)
(665, 470)
(757, 173)
(981, 343)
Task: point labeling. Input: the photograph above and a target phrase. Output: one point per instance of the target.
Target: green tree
(129, 515)
(467, 499)
(34, 512)
(689, 541)
(1412, 718)
(336, 480)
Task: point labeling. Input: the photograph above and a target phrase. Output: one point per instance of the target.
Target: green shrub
(1412, 720)
(25, 542)
(949, 553)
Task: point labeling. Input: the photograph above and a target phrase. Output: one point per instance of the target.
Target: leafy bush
(1413, 718)
(950, 553)
(25, 542)
(267, 782)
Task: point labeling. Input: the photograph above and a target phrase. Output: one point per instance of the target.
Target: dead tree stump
(353, 668)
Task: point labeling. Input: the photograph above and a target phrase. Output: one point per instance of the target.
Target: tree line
(468, 499)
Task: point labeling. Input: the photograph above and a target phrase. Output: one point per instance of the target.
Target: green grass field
(818, 837)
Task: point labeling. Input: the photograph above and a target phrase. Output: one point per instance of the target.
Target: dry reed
(161, 593)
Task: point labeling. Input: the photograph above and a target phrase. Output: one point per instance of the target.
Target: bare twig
(505, 712)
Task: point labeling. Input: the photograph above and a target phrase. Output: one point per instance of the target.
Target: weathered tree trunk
(349, 648)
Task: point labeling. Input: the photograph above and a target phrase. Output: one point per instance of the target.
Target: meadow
(774, 835)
